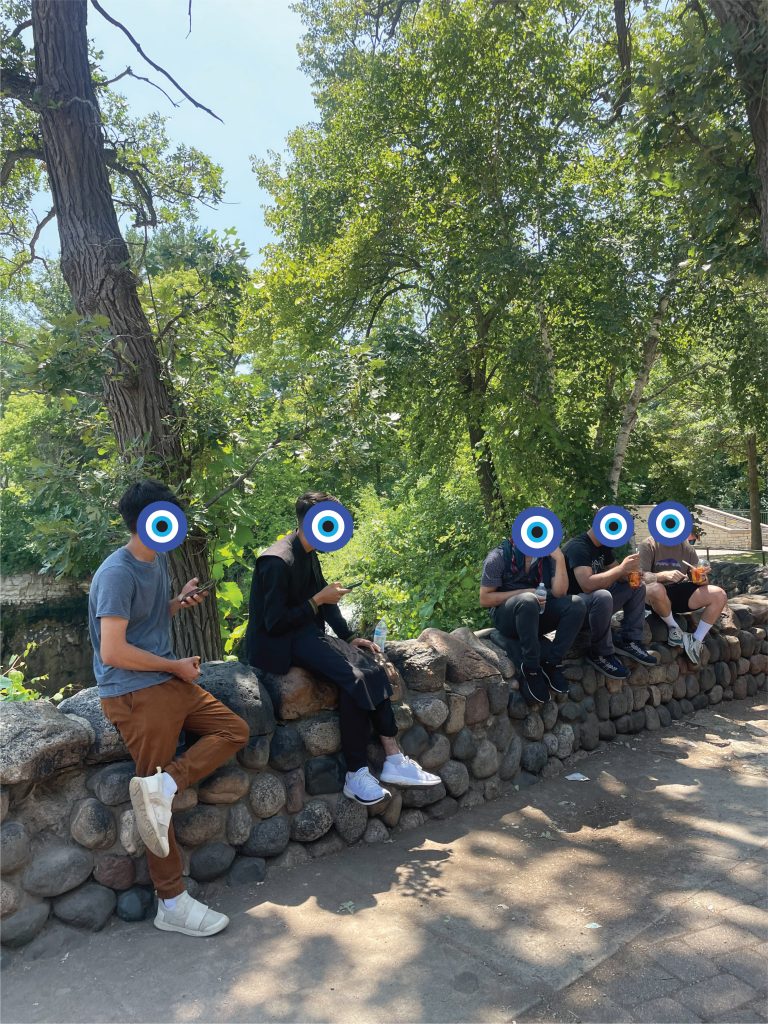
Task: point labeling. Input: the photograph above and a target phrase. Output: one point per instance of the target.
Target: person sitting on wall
(508, 590)
(673, 591)
(290, 605)
(602, 584)
(150, 696)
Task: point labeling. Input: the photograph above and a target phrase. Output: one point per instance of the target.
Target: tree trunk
(96, 266)
(748, 20)
(755, 531)
(629, 419)
(473, 386)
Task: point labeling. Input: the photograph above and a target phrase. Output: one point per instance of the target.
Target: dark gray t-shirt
(127, 588)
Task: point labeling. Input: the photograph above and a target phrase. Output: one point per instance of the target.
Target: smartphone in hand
(204, 588)
(352, 586)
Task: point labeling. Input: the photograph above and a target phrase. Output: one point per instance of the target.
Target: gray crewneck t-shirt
(128, 588)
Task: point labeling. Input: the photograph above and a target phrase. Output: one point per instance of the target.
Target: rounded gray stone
(134, 904)
(486, 760)
(420, 796)
(500, 732)
(209, 861)
(321, 735)
(56, 868)
(349, 817)
(534, 757)
(89, 907)
(21, 927)
(247, 871)
(533, 727)
(409, 819)
(268, 838)
(464, 746)
(312, 822)
(376, 832)
(255, 754)
(324, 775)
(198, 825)
(111, 783)
(225, 786)
(422, 668)
(444, 808)
(39, 741)
(437, 753)
(10, 897)
(430, 711)
(106, 743)
(287, 748)
(665, 718)
(93, 825)
(239, 824)
(414, 741)
(237, 686)
(550, 742)
(510, 762)
(548, 714)
(267, 795)
(607, 730)
(517, 707)
(589, 732)
(455, 776)
(14, 846)
(565, 739)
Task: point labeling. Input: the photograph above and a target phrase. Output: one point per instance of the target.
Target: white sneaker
(675, 636)
(190, 917)
(692, 647)
(403, 771)
(153, 811)
(363, 787)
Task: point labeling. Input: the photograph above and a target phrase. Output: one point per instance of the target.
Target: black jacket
(284, 578)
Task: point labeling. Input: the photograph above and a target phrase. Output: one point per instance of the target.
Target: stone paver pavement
(488, 916)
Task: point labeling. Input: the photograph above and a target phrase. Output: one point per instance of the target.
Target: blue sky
(241, 61)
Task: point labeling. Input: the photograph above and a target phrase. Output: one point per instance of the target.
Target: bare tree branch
(20, 28)
(244, 475)
(624, 50)
(19, 87)
(137, 45)
(139, 78)
(189, 15)
(13, 157)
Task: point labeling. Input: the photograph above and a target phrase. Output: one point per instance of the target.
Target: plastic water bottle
(380, 634)
(541, 594)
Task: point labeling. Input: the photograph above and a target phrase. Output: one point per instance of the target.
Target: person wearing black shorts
(670, 590)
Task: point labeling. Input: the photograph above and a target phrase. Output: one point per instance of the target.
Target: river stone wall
(69, 847)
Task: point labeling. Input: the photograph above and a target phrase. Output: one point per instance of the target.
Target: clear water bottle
(380, 634)
(541, 594)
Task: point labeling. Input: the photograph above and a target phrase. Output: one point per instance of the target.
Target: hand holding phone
(203, 589)
(352, 586)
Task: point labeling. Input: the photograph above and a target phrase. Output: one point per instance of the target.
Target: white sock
(702, 629)
(395, 757)
(670, 620)
(169, 784)
(170, 904)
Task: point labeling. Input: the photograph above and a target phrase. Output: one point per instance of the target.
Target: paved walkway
(490, 916)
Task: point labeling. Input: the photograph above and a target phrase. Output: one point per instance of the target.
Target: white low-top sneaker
(402, 771)
(675, 637)
(364, 788)
(692, 647)
(153, 811)
(190, 917)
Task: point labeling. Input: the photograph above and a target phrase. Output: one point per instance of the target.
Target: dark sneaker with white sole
(609, 665)
(632, 649)
(557, 680)
(534, 685)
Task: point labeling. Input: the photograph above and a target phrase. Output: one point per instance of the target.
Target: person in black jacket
(290, 606)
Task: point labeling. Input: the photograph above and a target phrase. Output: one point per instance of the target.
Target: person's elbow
(486, 601)
(559, 589)
(109, 652)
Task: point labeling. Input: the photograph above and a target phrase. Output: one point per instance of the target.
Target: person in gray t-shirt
(150, 695)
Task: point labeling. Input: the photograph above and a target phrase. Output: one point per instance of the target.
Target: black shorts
(679, 594)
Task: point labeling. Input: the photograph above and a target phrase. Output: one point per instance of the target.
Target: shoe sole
(609, 675)
(366, 803)
(146, 821)
(409, 783)
(193, 932)
(675, 643)
(634, 657)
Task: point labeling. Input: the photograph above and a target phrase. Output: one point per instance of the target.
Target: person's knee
(573, 609)
(602, 600)
(527, 604)
(653, 591)
(718, 597)
(237, 731)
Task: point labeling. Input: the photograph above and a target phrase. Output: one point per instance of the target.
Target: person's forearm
(125, 655)
(602, 580)
(174, 606)
(498, 597)
(560, 581)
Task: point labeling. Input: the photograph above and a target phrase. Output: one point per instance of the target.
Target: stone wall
(69, 844)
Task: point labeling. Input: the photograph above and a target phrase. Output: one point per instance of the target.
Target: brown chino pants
(150, 721)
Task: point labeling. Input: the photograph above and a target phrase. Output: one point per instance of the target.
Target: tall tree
(96, 265)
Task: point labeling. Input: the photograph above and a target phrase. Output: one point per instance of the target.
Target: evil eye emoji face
(537, 531)
(162, 526)
(670, 523)
(613, 526)
(328, 526)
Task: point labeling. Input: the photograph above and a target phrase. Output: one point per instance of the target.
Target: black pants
(364, 690)
(519, 617)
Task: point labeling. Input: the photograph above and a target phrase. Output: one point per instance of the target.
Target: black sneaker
(534, 685)
(610, 666)
(557, 680)
(632, 649)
